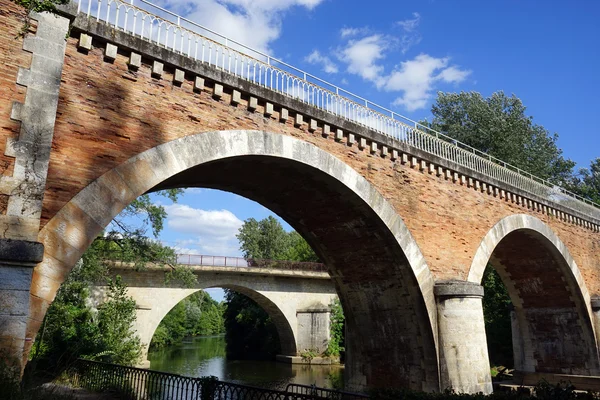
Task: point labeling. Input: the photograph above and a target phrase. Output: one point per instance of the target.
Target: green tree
(587, 182)
(72, 328)
(499, 126)
(250, 332)
(496, 314)
(338, 328)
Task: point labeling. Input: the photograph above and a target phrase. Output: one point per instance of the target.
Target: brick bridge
(296, 296)
(405, 220)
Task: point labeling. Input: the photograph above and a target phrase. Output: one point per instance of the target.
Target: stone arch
(154, 309)
(381, 276)
(553, 329)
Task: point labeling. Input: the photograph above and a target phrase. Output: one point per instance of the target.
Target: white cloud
(362, 55)
(409, 25)
(348, 32)
(317, 58)
(410, 36)
(416, 78)
(254, 23)
(221, 224)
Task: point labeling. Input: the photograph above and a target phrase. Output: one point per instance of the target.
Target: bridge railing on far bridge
(164, 28)
(221, 261)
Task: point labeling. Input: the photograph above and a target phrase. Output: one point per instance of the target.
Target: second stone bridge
(297, 296)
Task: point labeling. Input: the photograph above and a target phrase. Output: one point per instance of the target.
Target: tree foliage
(496, 314)
(250, 332)
(587, 182)
(73, 327)
(197, 314)
(338, 329)
(499, 126)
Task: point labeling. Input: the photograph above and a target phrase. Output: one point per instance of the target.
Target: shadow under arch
(553, 330)
(379, 272)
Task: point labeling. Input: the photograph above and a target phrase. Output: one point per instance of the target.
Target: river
(205, 355)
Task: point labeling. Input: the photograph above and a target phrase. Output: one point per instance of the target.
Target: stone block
(198, 84)
(179, 76)
(373, 147)
(110, 52)
(15, 278)
(351, 139)
(157, 69)
(252, 103)
(339, 135)
(85, 42)
(326, 130)
(394, 156)
(299, 120)
(268, 109)
(362, 143)
(384, 151)
(135, 60)
(236, 97)
(283, 114)
(218, 91)
(312, 126)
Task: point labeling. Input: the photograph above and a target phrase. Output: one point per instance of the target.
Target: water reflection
(202, 356)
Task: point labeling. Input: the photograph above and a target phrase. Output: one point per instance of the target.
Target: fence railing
(160, 26)
(224, 261)
(142, 384)
(324, 393)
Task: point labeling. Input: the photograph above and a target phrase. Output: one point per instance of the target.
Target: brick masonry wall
(108, 113)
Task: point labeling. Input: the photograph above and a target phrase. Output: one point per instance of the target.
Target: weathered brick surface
(108, 113)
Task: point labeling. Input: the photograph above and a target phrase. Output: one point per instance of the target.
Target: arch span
(380, 274)
(553, 328)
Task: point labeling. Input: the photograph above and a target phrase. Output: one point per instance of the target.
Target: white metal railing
(164, 28)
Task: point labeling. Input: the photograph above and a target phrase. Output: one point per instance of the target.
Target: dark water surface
(205, 355)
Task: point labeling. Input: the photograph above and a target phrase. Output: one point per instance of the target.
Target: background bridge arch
(553, 326)
(380, 274)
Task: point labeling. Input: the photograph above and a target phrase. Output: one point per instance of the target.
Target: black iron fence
(141, 384)
(323, 393)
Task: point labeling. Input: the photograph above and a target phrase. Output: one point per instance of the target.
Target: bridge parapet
(135, 24)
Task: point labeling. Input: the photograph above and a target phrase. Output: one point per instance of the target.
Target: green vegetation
(587, 182)
(72, 327)
(196, 315)
(338, 329)
(250, 332)
(496, 314)
(499, 126)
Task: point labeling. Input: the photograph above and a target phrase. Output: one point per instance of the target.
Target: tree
(499, 126)
(496, 315)
(72, 328)
(587, 182)
(250, 332)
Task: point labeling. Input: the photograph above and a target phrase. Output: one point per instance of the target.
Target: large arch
(380, 274)
(553, 329)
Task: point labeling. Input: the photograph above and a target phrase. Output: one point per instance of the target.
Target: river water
(205, 355)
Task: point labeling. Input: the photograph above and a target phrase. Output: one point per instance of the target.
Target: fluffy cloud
(213, 231)
(317, 58)
(416, 78)
(362, 56)
(255, 23)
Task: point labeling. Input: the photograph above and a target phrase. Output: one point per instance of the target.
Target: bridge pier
(313, 328)
(17, 260)
(464, 362)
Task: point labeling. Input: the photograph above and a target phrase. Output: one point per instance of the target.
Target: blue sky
(399, 54)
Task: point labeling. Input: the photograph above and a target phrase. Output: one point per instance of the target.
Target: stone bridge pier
(298, 302)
